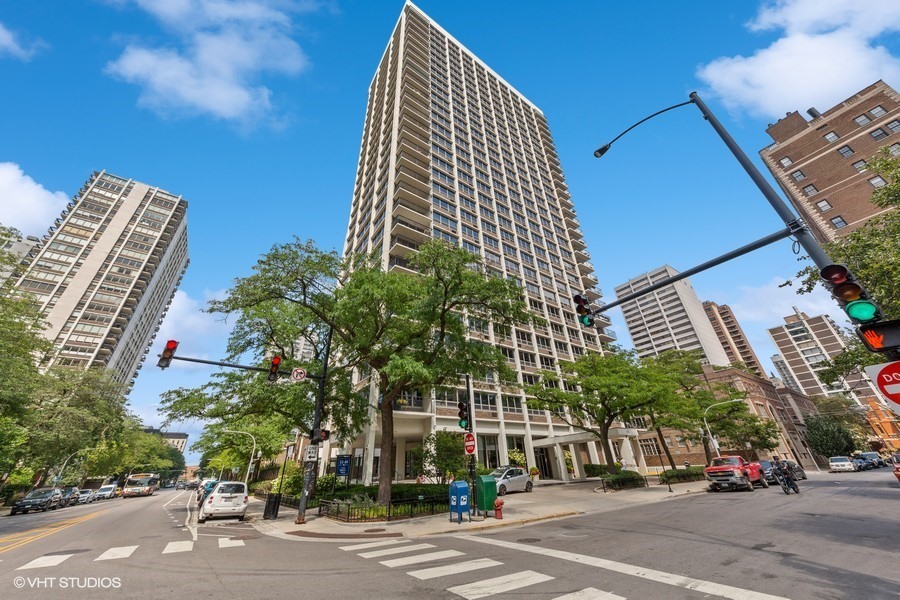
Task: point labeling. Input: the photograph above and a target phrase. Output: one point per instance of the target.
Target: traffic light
(850, 295)
(883, 336)
(465, 415)
(273, 368)
(584, 312)
(165, 359)
(319, 435)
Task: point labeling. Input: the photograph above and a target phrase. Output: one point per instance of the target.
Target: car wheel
(46, 507)
(12, 512)
(529, 486)
(750, 487)
(763, 483)
(241, 518)
(501, 491)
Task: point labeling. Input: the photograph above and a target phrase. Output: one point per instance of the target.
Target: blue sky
(253, 111)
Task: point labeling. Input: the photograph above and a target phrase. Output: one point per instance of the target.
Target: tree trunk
(608, 453)
(707, 451)
(386, 462)
(665, 447)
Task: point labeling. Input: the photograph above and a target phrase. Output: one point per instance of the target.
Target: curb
(507, 523)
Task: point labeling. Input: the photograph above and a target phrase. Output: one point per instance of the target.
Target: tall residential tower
(452, 151)
(106, 272)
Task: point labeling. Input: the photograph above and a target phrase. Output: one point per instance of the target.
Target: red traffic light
(835, 274)
(273, 368)
(165, 359)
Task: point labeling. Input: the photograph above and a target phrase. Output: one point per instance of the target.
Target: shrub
(595, 470)
(625, 479)
(687, 474)
(324, 483)
(262, 486)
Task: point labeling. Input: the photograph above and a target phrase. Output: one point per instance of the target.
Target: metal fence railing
(393, 510)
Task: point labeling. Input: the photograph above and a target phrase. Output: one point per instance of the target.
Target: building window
(798, 175)
(894, 126)
(878, 111)
(786, 162)
(649, 447)
(860, 165)
(810, 190)
(824, 205)
(877, 181)
(838, 222)
(845, 151)
(862, 120)
(895, 149)
(831, 137)
(878, 134)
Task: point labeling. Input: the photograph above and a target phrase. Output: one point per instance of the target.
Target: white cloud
(25, 204)
(828, 50)
(200, 334)
(215, 61)
(10, 44)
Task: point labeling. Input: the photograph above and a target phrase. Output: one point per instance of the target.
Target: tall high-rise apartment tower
(821, 163)
(671, 318)
(106, 272)
(452, 151)
(731, 336)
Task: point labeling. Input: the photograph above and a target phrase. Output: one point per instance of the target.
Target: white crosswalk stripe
(368, 545)
(45, 561)
(463, 567)
(229, 543)
(590, 594)
(389, 551)
(114, 553)
(420, 558)
(172, 547)
(505, 584)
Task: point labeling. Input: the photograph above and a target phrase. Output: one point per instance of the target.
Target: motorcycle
(786, 485)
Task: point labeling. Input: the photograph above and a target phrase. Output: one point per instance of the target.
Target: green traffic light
(463, 424)
(586, 320)
(861, 310)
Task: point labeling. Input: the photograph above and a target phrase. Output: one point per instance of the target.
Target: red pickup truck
(734, 473)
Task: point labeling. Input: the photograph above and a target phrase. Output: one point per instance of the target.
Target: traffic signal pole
(309, 473)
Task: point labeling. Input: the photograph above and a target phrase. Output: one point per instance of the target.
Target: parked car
(206, 487)
(733, 473)
(87, 496)
(768, 470)
(106, 492)
(226, 499)
(840, 463)
(798, 471)
(192, 485)
(875, 458)
(70, 495)
(42, 499)
(512, 479)
(180, 485)
(861, 464)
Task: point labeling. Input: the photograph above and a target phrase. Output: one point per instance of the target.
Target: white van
(228, 499)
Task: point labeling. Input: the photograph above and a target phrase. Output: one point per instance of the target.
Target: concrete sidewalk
(549, 500)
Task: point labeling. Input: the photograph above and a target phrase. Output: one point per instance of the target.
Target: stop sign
(470, 443)
(887, 378)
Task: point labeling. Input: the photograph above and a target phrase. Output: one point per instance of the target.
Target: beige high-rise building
(670, 318)
(821, 163)
(732, 337)
(452, 151)
(106, 271)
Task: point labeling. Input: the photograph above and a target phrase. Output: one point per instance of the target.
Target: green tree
(441, 453)
(828, 437)
(747, 431)
(402, 331)
(598, 390)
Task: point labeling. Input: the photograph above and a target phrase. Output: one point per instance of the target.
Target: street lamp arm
(602, 149)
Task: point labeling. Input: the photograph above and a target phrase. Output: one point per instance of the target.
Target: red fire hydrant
(498, 508)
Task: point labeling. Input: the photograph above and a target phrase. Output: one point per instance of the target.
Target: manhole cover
(373, 530)
(529, 540)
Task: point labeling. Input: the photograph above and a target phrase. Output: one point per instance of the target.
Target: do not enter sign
(470, 443)
(887, 378)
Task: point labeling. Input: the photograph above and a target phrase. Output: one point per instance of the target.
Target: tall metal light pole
(708, 432)
(252, 452)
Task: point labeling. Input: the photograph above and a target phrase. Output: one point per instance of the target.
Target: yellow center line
(17, 540)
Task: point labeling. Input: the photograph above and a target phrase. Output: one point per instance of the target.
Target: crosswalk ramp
(125, 552)
(405, 554)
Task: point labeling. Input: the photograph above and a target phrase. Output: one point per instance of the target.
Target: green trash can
(486, 490)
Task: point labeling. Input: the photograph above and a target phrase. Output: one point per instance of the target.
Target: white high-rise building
(451, 150)
(106, 272)
(670, 318)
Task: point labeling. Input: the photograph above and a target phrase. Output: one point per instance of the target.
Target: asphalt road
(839, 539)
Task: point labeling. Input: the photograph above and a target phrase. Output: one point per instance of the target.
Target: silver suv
(512, 479)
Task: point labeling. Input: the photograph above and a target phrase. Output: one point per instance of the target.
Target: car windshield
(730, 461)
(39, 493)
(837, 459)
(106, 488)
(765, 464)
(231, 488)
(498, 473)
(85, 491)
(872, 455)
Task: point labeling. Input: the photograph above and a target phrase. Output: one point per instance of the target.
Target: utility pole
(310, 466)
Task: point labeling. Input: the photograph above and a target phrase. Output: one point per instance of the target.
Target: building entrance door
(542, 457)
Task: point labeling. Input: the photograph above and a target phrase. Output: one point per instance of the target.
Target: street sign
(312, 453)
(470, 443)
(298, 374)
(887, 379)
(343, 465)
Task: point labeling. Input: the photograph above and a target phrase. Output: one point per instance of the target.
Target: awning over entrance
(582, 436)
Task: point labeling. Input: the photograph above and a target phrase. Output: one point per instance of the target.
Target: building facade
(670, 318)
(732, 337)
(821, 163)
(452, 151)
(106, 271)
